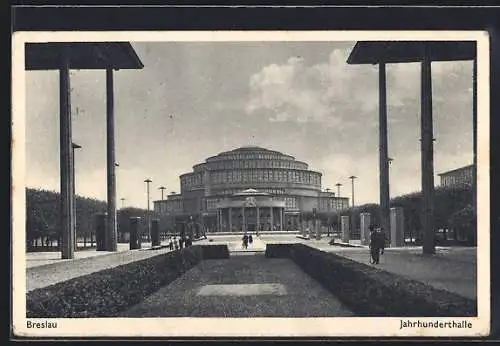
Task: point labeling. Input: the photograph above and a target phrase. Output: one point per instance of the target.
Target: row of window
(234, 164)
(332, 204)
(249, 156)
(290, 203)
(458, 178)
(264, 175)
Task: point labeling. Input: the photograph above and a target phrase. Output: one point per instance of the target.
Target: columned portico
(255, 212)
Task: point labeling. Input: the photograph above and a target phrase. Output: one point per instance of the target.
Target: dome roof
(249, 150)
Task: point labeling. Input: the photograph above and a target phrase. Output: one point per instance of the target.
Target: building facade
(250, 188)
(462, 176)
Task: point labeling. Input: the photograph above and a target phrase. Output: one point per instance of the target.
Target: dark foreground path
(242, 286)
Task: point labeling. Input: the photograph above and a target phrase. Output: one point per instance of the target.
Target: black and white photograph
(239, 183)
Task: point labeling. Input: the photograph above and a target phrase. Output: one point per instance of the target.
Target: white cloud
(334, 92)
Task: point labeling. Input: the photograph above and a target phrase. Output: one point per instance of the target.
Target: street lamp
(162, 188)
(123, 202)
(148, 181)
(352, 177)
(73, 192)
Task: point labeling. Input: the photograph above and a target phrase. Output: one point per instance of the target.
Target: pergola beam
(424, 52)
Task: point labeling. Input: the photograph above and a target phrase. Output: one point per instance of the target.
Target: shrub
(110, 291)
(372, 292)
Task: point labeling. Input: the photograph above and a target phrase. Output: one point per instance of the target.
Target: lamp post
(123, 202)
(148, 181)
(73, 192)
(162, 188)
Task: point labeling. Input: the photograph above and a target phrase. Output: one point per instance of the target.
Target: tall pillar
(427, 152)
(230, 211)
(271, 219)
(243, 219)
(67, 220)
(100, 232)
(344, 219)
(397, 227)
(155, 232)
(383, 152)
(365, 228)
(219, 228)
(281, 218)
(258, 218)
(111, 237)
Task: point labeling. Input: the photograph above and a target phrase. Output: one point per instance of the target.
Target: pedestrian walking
(377, 245)
(250, 240)
(176, 243)
(245, 241)
(171, 243)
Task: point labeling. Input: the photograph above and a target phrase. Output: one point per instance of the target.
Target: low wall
(368, 291)
(108, 292)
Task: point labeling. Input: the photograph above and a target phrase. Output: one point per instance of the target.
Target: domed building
(250, 188)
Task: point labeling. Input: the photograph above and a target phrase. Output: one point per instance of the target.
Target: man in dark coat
(377, 244)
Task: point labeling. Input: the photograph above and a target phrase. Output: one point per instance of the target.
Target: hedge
(368, 291)
(108, 292)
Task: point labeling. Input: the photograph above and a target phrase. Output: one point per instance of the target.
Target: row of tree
(43, 218)
(453, 210)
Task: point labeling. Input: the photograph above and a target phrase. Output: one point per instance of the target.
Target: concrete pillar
(258, 219)
(135, 234)
(155, 232)
(243, 220)
(397, 227)
(365, 228)
(272, 218)
(344, 219)
(427, 152)
(111, 238)
(383, 152)
(281, 218)
(67, 221)
(100, 232)
(230, 211)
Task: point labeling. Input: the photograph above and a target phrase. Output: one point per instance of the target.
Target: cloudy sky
(194, 100)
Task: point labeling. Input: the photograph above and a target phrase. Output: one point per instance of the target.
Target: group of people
(377, 244)
(176, 244)
(247, 240)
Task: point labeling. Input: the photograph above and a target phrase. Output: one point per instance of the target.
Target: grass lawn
(304, 296)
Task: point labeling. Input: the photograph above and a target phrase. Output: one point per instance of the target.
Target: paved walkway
(242, 286)
(58, 271)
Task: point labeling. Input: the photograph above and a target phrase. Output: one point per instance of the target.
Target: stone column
(281, 218)
(155, 232)
(230, 211)
(258, 218)
(100, 232)
(135, 236)
(427, 152)
(397, 227)
(243, 220)
(365, 228)
(383, 152)
(345, 228)
(67, 221)
(271, 219)
(111, 237)
(219, 227)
